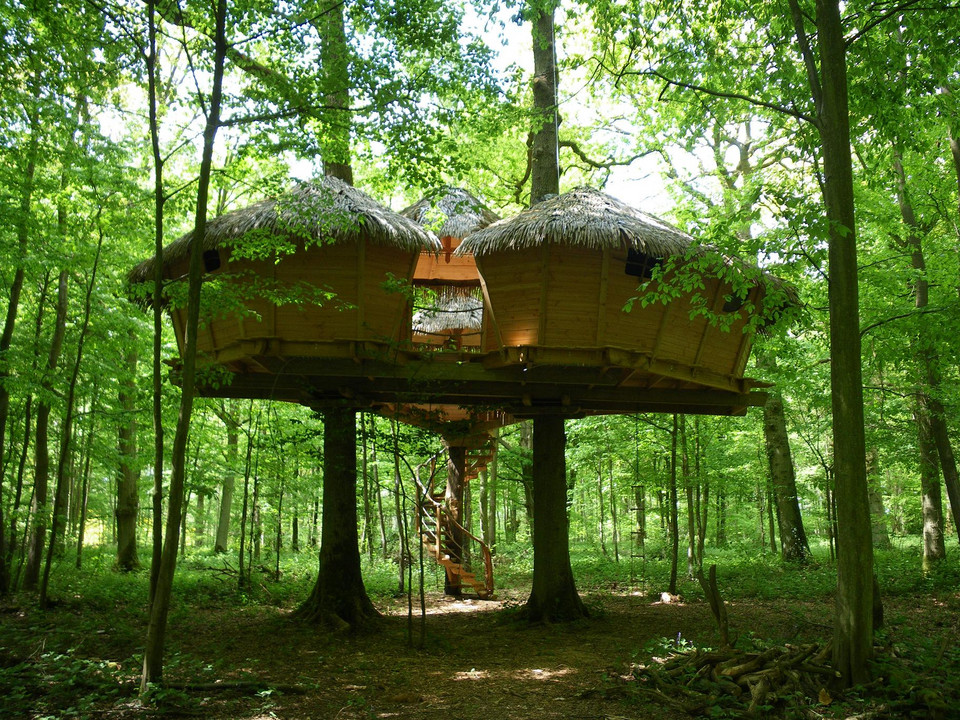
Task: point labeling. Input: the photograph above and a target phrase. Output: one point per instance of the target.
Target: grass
(87, 650)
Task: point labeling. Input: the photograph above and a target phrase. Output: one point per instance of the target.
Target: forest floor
(477, 660)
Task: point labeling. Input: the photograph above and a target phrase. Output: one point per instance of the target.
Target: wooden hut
(558, 277)
(451, 214)
(448, 311)
(311, 273)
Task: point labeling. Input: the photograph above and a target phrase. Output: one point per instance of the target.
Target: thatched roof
(326, 208)
(451, 212)
(585, 218)
(454, 311)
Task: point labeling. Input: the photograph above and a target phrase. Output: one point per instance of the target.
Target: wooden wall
(361, 309)
(570, 297)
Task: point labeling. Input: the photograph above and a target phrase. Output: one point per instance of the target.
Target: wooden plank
(361, 269)
(544, 273)
(661, 330)
(601, 336)
(715, 306)
(746, 342)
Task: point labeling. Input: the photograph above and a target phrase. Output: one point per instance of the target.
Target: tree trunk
(128, 475)
(61, 495)
(853, 627)
(381, 517)
(934, 549)
(22, 224)
(453, 533)
(673, 521)
(926, 350)
(688, 491)
(39, 509)
(760, 514)
(334, 74)
(158, 303)
(339, 598)
(526, 470)
(721, 517)
(544, 150)
(771, 523)
(602, 520)
(793, 538)
(613, 514)
(252, 432)
(229, 480)
(160, 598)
(878, 517)
(85, 486)
(554, 595)
(295, 531)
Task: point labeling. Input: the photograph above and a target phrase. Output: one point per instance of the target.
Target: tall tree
(128, 473)
(554, 593)
(160, 600)
(793, 537)
(228, 416)
(339, 599)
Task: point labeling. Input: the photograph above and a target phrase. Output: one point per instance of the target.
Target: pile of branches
(750, 683)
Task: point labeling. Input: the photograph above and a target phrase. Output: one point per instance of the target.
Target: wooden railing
(434, 521)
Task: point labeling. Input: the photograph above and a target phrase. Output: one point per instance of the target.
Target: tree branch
(729, 96)
(809, 61)
(892, 318)
(575, 148)
(895, 10)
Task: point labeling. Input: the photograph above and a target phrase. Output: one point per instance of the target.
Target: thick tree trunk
(793, 538)
(544, 152)
(339, 598)
(335, 76)
(853, 629)
(554, 595)
(128, 475)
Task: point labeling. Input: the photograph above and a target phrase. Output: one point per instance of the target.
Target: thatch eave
(583, 217)
(451, 212)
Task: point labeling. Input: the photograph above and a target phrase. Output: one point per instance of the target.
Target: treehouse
(580, 280)
(578, 306)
